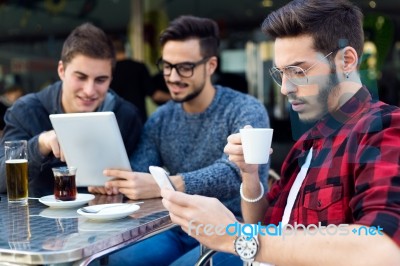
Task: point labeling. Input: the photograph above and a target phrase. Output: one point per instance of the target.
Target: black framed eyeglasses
(294, 74)
(184, 69)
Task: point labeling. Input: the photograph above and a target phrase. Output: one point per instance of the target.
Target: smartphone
(161, 177)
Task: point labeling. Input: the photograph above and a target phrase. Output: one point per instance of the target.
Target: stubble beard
(323, 97)
(191, 96)
(196, 92)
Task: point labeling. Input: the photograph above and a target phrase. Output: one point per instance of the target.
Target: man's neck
(201, 102)
(346, 90)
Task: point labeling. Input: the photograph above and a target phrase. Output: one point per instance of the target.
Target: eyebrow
(185, 62)
(80, 73)
(86, 75)
(297, 63)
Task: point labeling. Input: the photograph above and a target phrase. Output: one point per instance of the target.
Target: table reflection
(19, 230)
(35, 234)
(65, 229)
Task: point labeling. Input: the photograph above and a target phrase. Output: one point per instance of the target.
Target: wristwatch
(246, 247)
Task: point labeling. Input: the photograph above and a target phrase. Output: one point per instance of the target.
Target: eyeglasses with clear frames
(294, 74)
(184, 69)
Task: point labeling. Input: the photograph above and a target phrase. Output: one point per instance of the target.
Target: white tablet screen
(91, 142)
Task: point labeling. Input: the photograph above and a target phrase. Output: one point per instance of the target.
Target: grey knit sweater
(192, 144)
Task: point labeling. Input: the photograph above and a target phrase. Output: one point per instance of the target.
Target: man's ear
(212, 65)
(350, 59)
(61, 70)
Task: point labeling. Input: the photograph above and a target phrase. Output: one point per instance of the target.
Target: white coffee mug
(256, 143)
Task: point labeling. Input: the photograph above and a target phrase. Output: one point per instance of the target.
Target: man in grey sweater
(187, 136)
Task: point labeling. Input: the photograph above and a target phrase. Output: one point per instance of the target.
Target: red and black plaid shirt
(354, 175)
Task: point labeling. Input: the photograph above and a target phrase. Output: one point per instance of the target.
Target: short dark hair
(90, 41)
(333, 24)
(14, 88)
(189, 27)
(119, 45)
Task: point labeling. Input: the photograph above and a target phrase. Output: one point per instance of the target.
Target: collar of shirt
(346, 114)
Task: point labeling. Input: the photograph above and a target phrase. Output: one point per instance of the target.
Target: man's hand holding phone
(161, 177)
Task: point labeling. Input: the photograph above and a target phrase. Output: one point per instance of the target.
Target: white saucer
(119, 211)
(81, 199)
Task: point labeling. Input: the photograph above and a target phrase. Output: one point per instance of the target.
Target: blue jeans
(219, 259)
(161, 249)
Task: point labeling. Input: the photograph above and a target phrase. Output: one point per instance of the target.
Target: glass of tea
(64, 183)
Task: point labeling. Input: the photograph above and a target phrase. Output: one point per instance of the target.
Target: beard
(325, 91)
(197, 89)
(328, 90)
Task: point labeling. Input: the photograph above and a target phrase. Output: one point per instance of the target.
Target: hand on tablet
(48, 142)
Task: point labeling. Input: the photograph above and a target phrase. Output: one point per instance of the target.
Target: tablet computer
(91, 142)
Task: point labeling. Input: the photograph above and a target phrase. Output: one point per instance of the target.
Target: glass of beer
(64, 183)
(16, 157)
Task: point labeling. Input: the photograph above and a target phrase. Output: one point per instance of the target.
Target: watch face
(246, 248)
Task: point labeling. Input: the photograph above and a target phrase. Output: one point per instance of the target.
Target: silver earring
(346, 74)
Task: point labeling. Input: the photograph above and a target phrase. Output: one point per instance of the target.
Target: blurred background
(32, 33)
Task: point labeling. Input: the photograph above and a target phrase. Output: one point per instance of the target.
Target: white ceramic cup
(256, 143)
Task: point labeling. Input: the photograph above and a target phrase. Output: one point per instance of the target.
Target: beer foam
(17, 161)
